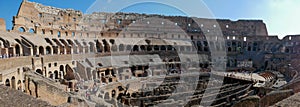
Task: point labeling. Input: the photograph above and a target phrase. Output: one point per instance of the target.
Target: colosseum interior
(67, 58)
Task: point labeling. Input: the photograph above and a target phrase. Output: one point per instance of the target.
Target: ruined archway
(106, 46)
(18, 50)
(56, 74)
(61, 68)
(99, 46)
(31, 30)
(50, 74)
(41, 50)
(22, 29)
(121, 47)
(135, 48)
(39, 71)
(7, 83)
(48, 50)
(92, 47)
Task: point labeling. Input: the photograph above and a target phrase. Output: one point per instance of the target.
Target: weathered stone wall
(50, 92)
(274, 97)
(251, 101)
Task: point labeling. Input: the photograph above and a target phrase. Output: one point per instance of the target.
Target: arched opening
(149, 48)
(39, 71)
(121, 47)
(128, 47)
(156, 48)
(113, 93)
(21, 29)
(106, 46)
(58, 34)
(31, 30)
(169, 48)
(92, 47)
(229, 49)
(41, 50)
(142, 47)
(18, 52)
(99, 46)
(56, 74)
(135, 48)
(19, 85)
(163, 48)
(199, 46)
(7, 83)
(50, 74)
(48, 50)
(13, 82)
(61, 68)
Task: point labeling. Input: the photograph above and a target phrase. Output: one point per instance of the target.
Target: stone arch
(7, 83)
(48, 50)
(229, 49)
(50, 74)
(169, 47)
(143, 47)
(22, 29)
(121, 47)
(135, 48)
(149, 48)
(99, 46)
(163, 47)
(61, 68)
(39, 71)
(156, 48)
(41, 50)
(128, 47)
(56, 74)
(13, 82)
(18, 50)
(92, 47)
(106, 46)
(31, 30)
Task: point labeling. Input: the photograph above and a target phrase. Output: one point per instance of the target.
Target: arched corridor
(18, 50)
(48, 50)
(56, 74)
(39, 71)
(41, 50)
(7, 83)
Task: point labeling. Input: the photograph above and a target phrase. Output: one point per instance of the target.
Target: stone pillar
(52, 51)
(37, 51)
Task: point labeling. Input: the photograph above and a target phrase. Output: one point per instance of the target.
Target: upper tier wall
(34, 17)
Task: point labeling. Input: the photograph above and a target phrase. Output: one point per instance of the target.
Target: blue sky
(280, 16)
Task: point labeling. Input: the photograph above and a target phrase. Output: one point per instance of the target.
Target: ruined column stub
(2, 24)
